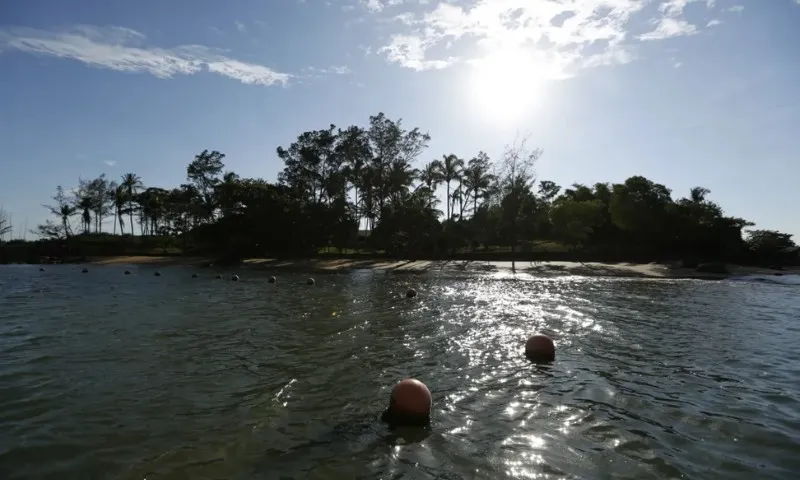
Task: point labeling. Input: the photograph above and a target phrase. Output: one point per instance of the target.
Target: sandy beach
(594, 269)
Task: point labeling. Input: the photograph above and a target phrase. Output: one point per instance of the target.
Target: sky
(685, 92)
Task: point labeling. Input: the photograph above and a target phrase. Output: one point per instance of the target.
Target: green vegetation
(356, 191)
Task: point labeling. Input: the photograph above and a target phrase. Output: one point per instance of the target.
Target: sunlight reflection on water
(172, 377)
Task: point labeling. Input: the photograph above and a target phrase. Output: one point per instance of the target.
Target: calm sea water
(132, 377)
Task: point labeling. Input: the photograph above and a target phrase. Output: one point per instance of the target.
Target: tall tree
(478, 180)
(98, 191)
(353, 148)
(84, 204)
(131, 183)
(63, 208)
(203, 173)
(394, 149)
(118, 201)
(451, 167)
(517, 176)
(309, 161)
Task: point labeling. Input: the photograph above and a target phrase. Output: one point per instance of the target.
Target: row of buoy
(410, 402)
(234, 278)
(410, 293)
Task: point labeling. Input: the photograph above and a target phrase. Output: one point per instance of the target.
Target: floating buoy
(411, 293)
(310, 281)
(272, 280)
(194, 275)
(235, 278)
(409, 404)
(157, 274)
(127, 272)
(85, 270)
(41, 269)
(219, 276)
(540, 349)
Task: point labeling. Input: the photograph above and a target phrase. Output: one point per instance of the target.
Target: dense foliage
(358, 190)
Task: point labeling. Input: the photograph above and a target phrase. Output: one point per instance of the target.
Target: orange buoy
(409, 404)
(540, 348)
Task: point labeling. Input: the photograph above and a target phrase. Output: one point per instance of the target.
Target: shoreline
(548, 268)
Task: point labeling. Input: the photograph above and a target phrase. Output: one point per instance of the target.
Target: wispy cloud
(736, 8)
(110, 163)
(715, 22)
(565, 36)
(125, 50)
(668, 28)
(332, 70)
(241, 27)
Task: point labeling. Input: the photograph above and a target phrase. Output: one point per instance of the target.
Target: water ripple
(173, 377)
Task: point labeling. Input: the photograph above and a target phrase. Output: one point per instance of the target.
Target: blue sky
(685, 92)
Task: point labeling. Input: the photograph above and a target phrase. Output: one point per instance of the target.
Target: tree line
(358, 189)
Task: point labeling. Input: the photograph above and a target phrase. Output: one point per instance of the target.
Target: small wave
(779, 279)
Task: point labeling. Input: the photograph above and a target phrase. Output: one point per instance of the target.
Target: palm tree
(131, 182)
(431, 177)
(64, 212)
(400, 177)
(450, 170)
(119, 199)
(698, 194)
(477, 180)
(85, 203)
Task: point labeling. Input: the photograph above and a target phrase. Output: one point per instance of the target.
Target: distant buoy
(409, 404)
(272, 280)
(41, 269)
(411, 293)
(194, 275)
(127, 272)
(219, 276)
(157, 274)
(540, 349)
(85, 270)
(310, 281)
(235, 278)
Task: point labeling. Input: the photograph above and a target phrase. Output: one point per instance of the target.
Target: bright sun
(505, 85)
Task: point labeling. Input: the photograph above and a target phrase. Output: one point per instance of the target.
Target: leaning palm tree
(132, 183)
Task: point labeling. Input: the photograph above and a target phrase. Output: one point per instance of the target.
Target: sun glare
(505, 85)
